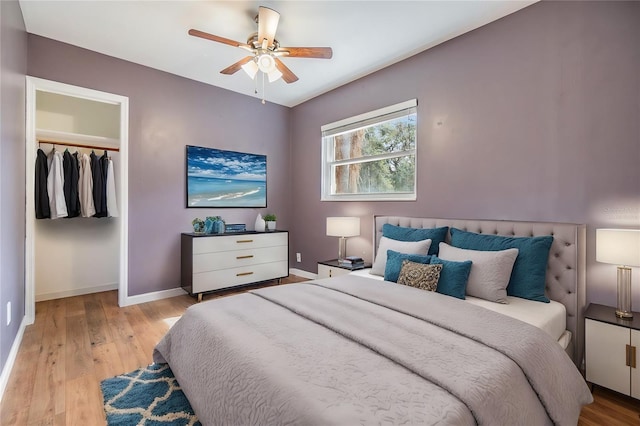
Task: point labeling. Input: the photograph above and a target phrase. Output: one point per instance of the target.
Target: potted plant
(198, 225)
(270, 219)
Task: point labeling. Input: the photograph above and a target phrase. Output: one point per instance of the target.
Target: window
(371, 156)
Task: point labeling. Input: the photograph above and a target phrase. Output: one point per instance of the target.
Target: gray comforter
(349, 350)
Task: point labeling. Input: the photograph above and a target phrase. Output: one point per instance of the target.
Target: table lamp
(620, 247)
(343, 227)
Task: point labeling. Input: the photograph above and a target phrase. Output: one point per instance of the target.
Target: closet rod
(78, 145)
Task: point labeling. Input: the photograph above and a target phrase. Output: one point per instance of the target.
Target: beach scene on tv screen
(220, 178)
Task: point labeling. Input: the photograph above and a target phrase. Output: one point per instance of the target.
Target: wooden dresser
(212, 262)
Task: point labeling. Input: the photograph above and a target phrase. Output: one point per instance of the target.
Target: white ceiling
(365, 35)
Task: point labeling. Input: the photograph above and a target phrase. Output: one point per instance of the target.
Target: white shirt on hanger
(85, 187)
(55, 186)
(112, 204)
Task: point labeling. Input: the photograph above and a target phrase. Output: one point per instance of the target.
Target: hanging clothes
(104, 162)
(85, 187)
(70, 167)
(76, 162)
(41, 194)
(99, 187)
(112, 204)
(55, 186)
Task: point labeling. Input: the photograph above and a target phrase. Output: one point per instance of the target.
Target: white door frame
(37, 84)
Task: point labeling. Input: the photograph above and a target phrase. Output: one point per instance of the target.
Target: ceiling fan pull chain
(255, 86)
(262, 88)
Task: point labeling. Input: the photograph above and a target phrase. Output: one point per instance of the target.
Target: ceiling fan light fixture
(264, 50)
(266, 63)
(251, 68)
(274, 75)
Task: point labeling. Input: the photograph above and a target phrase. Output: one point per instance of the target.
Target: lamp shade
(266, 63)
(251, 68)
(618, 246)
(274, 75)
(343, 226)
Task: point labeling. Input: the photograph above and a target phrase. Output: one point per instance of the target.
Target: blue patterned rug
(149, 396)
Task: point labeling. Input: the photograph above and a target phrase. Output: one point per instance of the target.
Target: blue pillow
(400, 233)
(530, 269)
(394, 263)
(453, 276)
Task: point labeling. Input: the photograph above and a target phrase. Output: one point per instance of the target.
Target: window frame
(367, 119)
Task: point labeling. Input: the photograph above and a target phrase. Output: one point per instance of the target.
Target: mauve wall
(167, 112)
(13, 66)
(539, 116)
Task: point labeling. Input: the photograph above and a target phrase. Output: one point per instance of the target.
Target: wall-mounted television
(220, 178)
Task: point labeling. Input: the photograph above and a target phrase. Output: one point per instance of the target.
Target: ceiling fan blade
(267, 24)
(207, 36)
(287, 75)
(232, 69)
(306, 52)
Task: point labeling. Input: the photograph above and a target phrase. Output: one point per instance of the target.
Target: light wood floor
(78, 341)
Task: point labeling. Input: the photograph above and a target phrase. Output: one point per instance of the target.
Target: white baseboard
(11, 359)
(76, 292)
(154, 295)
(303, 274)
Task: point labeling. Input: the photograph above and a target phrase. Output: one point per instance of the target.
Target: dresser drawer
(231, 259)
(214, 280)
(325, 271)
(238, 242)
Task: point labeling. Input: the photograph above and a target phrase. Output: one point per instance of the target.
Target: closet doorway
(71, 256)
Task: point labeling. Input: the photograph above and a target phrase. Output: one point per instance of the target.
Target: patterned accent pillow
(394, 263)
(419, 275)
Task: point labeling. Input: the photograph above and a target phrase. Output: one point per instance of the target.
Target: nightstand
(610, 350)
(332, 268)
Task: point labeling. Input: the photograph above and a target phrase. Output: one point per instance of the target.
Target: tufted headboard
(565, 282)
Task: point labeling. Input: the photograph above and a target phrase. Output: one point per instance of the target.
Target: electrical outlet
(8, 312)
(298, 257)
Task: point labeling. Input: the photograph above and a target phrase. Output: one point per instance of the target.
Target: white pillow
(409, 247)
(490, 270)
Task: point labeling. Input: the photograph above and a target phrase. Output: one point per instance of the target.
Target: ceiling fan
(266, 50)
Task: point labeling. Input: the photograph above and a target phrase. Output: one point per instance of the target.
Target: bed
(354, 350)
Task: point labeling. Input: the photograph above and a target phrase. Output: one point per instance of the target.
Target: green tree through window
(372, 158)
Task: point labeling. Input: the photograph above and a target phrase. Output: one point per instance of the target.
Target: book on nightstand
(352, 261)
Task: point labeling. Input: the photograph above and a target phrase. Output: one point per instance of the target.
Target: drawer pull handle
(244, 241)
(249, 256)
(631, 356)
(627, 354)
(241, 274)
